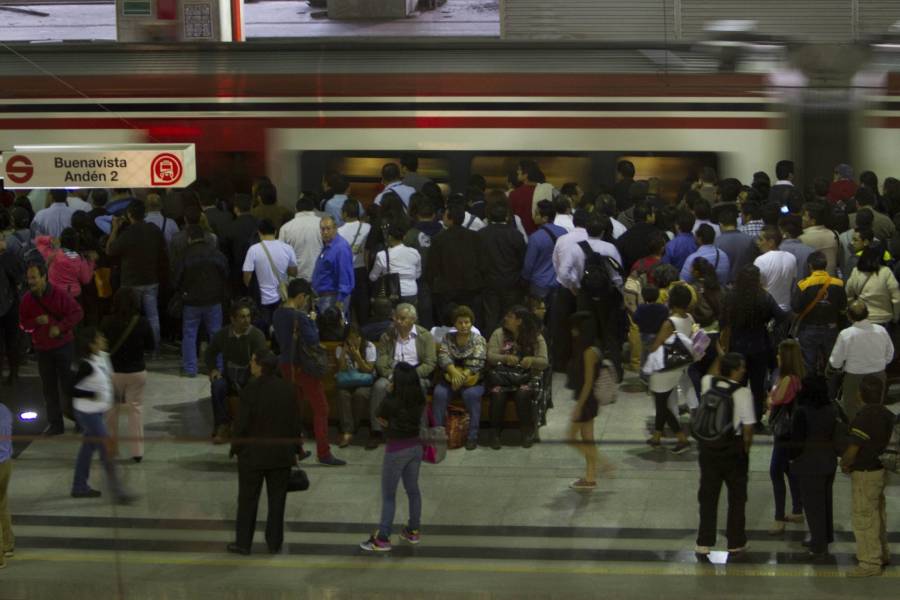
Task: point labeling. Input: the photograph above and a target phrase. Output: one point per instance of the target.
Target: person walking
(265, 441)
(92, 397)
(401, 416)
(131, 335)
(780, 409)
(819, 302)
(813, 463)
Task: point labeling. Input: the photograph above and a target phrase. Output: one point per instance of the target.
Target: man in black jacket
(504, 255)
(634, 244)
(455, 268)
(200, 277)
(265, 442)
(239, 235)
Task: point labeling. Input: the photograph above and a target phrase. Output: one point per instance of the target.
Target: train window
(558, 170)
(671, 171)
(364, 172)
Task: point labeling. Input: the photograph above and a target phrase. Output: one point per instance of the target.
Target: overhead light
(28, 415)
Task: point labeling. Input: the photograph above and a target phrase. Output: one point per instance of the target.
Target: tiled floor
(496, 524)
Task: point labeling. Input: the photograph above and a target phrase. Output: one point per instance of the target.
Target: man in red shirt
(50, 316)
(520, 199)
(843, 187)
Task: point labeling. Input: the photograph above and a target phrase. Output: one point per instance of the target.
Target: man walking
(819, 301)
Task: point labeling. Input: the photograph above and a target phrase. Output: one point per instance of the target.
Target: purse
(780, 422)
(433, 437)
(353, 379)
(298, 481)
(469, 382)
(282, 284)
(676, 354)
(388, 285)
(506, 376)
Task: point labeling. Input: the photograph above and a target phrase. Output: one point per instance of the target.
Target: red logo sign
(19, 169)
(165, 169)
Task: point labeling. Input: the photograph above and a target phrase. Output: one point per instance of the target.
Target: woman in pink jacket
(66, 268)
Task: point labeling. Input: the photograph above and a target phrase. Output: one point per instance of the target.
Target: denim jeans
(325, 302)
(191, 317)
(779, 468)
(470, 395)
(816, 342)
(95, 439)
(219, 390)
(149, 295)
(403, 464)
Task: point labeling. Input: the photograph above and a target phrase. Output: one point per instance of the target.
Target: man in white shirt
(356, 233)
(563, 218)
(404, 261)
(303, 235)
(393, 182)
(726, 461)
(777, 268)
(862, 349)
(76, 200)
(260, 259)
(570, 266)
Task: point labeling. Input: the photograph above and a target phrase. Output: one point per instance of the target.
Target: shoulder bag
(820, 295)
(131, 325)
(388, 285)
(282, 285)
(311, 358)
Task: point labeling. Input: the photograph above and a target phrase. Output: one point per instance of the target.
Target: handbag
(298, 481)
(353, 379)
(780, 422)
(433, 437)
(676, 354)
(282, 285)
(457, 427)
(506, 376)
(388, 285)
(469, 382)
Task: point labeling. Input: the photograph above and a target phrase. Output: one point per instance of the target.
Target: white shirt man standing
(303, 235)
(260, 259)
(777, 268)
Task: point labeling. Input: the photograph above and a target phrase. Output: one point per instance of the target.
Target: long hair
(791, 359)
(744, 307)
(407, 388)
(528, 330)
(712, 291)
(584, 333)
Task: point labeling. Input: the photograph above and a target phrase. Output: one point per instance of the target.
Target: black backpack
(597, 281)
(713, 422)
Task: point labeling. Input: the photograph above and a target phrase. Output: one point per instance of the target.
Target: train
(295, 110)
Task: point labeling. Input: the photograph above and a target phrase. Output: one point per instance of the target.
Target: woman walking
(131, 336)
(781, 406)
(593, 378)
(401, 416)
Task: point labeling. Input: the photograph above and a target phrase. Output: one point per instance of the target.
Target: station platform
(496, 524)
(96, 20)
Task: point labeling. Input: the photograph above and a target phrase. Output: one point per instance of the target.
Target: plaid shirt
(752, 228)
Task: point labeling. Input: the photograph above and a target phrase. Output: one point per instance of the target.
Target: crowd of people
(477, 296)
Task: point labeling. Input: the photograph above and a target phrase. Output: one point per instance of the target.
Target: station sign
(99, 165)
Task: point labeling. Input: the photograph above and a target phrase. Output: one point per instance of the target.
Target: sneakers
(471, 444)
(581, 484)
(702, 550)
(410, 535)
(681, 448)
(376, 543)
(861, 571)
(331, 461)
(88, 493)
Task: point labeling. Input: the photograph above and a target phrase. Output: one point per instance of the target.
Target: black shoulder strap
(548, 231)
(716, 266)
(586, 248)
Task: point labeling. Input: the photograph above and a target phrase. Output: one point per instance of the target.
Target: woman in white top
(874, 284)
(404, 261)
(663, 382)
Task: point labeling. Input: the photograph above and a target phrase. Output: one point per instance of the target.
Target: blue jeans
(95, 437)
(191, 317)
(779, 468)
(325, 302)
(149, 295)
(816, 342)
(218, 390)
(403, 464)
(471, 396)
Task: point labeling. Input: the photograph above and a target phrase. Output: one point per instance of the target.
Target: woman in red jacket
(67, 269)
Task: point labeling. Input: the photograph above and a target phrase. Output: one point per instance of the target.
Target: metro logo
(19, 169)
(165, 169)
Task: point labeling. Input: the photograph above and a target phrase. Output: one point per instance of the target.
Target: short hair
(771, 234)
(267, 193)
(195, 232)
(410, 162)
(680, 296)
(137, 210)
(84, 337)
(816, 211)
(477, 181)
(267, 361)
(751, 209)
(729, 189)
(580, 217)
(299, 286)
(641, 212)
(457, 214)
(708, 175)
(728, 215)
(336, 182)
(771, 212)
(702, 209)
(864, 196)
(192, 214)
(59, 195)
(425, 207)
(243, 202)
(405, 307)
(239, 305)
(266, 227)
(68, 239)
(871, 389)
(350, 208)
(562, 203)
(706, 234)
(463, 311)
(570, 188)
(650, 294)
(307, 201)
(625, 169)
(730, 363)
(390, 172)
(864, 220)
(869, 179)
(531, 170)
(546, 210)
(99, 197)
(784, 169)
(685, 220)
(396, 230)
(792, 225)
(858, 311)
(598, 224)
(497, 211)
(656, 242)
(817, 261)
(664, 275)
